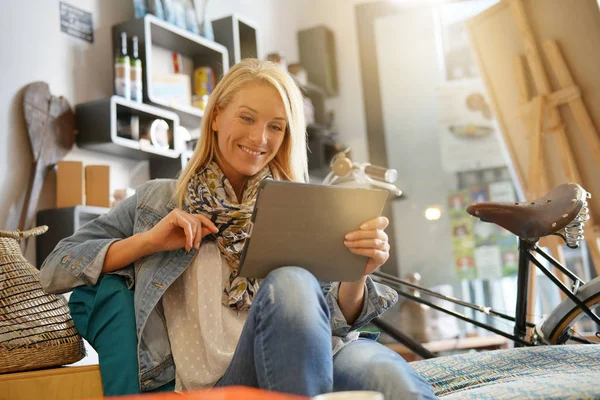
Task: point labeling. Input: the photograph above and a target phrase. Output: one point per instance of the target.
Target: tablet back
(298, 224)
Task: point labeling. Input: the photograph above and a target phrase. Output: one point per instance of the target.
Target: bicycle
(561, 212)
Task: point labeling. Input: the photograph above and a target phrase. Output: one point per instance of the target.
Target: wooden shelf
(98, 128)
(238, 36)
(152, 31)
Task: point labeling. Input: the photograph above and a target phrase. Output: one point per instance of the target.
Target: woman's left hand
(370, 241)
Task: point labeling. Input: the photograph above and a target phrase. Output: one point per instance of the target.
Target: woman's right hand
(179, 229)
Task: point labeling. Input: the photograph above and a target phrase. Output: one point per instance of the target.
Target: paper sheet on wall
(488, 262)
(467, 133)
(481, 250)
(463, 243)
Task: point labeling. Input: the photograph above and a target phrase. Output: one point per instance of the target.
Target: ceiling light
(433, 213)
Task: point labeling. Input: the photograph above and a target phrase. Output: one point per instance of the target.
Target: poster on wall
(467, 133)
(461, 225)
(481, 250)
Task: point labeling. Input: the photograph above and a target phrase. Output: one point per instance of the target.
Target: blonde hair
(290, 163)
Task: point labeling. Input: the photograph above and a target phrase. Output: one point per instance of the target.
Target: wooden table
(63, 383)
(225, 393)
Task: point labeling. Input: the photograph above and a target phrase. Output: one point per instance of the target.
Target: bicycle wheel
(556, 328)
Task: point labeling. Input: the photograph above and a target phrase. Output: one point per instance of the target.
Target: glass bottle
(136, 72)
(122, 69)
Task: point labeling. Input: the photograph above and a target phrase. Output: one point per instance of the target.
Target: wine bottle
(122, 69)
(136, 72)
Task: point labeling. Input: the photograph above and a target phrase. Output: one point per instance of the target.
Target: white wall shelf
(98, 128)
(238, 35)
(152, 31)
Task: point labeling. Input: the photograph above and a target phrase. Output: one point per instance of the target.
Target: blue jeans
(285, 346)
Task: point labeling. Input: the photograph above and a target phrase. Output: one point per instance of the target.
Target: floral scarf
(210, 193)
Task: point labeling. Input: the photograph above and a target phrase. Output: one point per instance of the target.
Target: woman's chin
(250, 170)
(250, 166)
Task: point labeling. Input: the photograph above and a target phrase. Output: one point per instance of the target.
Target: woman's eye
(246, 118)
(276, 128)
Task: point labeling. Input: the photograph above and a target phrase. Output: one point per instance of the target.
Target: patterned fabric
(210, 193)
(545, 372)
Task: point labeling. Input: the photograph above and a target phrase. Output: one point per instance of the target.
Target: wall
(34, 49)
(37, 51)
(409, 68)
(409, 71)
(348, 105)
(276, 20)
(83, 72)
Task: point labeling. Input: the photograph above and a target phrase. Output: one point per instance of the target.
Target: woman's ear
(214, 125)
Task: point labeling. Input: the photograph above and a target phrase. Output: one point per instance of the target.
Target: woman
(180, 241)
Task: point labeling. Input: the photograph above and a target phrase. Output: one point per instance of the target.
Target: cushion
(105, 317)
(549, 372)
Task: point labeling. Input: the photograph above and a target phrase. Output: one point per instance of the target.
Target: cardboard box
(97, 185)
(69, 184)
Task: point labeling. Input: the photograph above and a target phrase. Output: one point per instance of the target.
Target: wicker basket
(36, 329)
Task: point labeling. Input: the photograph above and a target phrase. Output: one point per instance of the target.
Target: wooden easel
(544, 119)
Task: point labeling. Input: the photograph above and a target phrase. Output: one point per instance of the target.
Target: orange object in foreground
(225, 393)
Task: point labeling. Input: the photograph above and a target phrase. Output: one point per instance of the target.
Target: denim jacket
(78, 260)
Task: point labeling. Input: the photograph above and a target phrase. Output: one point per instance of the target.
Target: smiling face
(250, 131)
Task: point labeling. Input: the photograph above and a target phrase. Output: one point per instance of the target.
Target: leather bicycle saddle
(537, 218)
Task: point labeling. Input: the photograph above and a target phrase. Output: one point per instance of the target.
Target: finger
(379, 256)
(206, 222)
(184, 224)
(194, 224)
(387, 248)
(372, 234)
(197, 230)
(367, 243)
(199, 234)
(206, 231)
(377, 223)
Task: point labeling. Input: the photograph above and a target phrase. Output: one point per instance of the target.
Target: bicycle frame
(519, 336)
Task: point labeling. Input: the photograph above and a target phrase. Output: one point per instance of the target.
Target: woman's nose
(258, 134)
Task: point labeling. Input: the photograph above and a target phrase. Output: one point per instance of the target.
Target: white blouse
(203, 333)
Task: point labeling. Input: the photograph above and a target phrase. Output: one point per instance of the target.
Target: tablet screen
(303, 225)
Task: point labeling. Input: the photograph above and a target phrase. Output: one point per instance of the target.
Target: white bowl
(351, 395)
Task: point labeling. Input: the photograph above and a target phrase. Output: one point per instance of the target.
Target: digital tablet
(303, 225)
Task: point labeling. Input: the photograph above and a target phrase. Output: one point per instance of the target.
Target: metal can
(204, 81)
